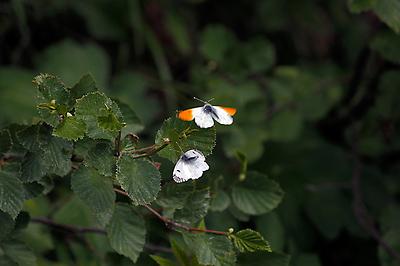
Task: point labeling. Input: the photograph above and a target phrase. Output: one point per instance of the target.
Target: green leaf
(58, 153)
(19, 253)
(220, 201)
(259, 55)
(139, 178)
(133, 123)
(263, 258)
(163, 261)
(101, 157)
(211, 249)
(96, 191)
(11, 194)
(389, 12)
(34, 166)
(386, 44)
(195, 207)
(184, 136)
(70, 128)
(17, 98)
(177, 27)
(249, 241)
(215, 42)
(6, 261)
(183, 203)
(270, 227)
(179, 250)
(69, 59)
(29, 138)
(84, 86)
(257, 194)
(5, 141)
(7, 225)
(53, 98)
(51, 88)
(126, 232)
(100, 114)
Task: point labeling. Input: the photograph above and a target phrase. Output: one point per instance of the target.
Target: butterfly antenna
(180, 147)
(210, 100)
(200, 100)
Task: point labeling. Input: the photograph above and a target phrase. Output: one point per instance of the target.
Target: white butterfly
(204, 116)
(191, 165)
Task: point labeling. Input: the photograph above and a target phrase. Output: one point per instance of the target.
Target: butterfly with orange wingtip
(204, 116)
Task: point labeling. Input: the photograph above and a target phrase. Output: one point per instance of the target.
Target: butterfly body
(204, 116)
(190, 165)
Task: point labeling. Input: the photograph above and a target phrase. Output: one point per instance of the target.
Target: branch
(148, 151)
(361, 213)
(66, 227)
(171, 223)
(76, 230)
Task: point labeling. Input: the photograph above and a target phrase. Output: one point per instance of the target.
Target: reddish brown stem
(172, 223)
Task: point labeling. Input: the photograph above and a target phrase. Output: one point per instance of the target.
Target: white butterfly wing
(221, 116)
(202, 119)
(179, 173)
(193, 169)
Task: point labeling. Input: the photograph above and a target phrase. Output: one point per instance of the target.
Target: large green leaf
(7, 225)
(387, 10)
(100, 114)
(96, 191)
(257, 194)
(11, 194)
(126, 232)
(69, 60)
(101, 157)
(29, 137)
(184, 203)
(271, 228)
(220, 201)
(211, 249)
(259, 55)
(195, 207)
(249, 241)
(51, 88)
(70, 128)
(133, 123)
(215, 42)
(139, 178)
(84, 86)
(386, 44)
(57, 153)
(34, 166)
(17, 98)
(184, 136)
(19, 253)
(53, 98)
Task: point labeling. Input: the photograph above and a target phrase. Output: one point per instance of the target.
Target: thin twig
(78, 231)
(152, 151)
(361, 213)
(66, 227)
(172, 223)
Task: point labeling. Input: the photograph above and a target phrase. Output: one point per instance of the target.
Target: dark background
(316, 87)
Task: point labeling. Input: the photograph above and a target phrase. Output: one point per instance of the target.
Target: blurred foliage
(313, 81)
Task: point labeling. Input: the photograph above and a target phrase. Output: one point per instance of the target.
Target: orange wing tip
(231, 111)
(186, 115)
